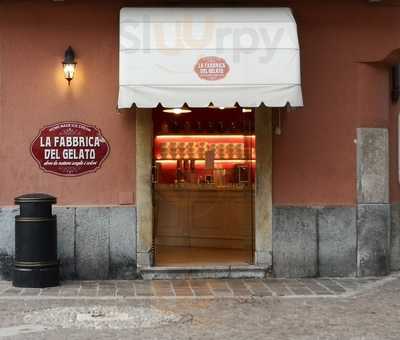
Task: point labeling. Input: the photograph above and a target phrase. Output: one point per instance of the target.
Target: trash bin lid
(35, 198)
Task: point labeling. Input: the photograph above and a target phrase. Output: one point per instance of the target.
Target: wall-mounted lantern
(69, 64)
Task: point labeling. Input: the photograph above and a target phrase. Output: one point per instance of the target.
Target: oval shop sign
(211, 68)
(70, 149)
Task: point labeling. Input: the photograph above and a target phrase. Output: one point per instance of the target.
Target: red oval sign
(211, 68)
(70, 149)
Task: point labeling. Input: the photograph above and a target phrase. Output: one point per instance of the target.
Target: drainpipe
(396, 83)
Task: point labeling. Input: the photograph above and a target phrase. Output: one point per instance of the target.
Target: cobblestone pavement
(312, 309)
(193, 288)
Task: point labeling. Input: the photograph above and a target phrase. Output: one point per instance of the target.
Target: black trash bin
(36, 264)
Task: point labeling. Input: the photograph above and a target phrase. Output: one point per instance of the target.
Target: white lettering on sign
(70, 148)
(79, 154)
(51, 154)
(70, 141)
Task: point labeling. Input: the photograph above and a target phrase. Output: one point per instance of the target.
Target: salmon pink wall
(314, 159)
(34, 93)
(345, 86)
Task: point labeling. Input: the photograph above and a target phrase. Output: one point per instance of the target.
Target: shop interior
(203, 186)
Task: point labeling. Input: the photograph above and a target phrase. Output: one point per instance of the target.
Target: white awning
(200, 56)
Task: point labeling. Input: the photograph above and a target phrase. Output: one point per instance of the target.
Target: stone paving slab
(233, 288)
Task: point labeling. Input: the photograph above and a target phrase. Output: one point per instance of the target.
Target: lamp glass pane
(69, 71)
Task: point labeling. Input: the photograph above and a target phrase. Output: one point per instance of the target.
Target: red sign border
(70, 175)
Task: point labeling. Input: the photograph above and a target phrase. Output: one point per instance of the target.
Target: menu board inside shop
(70, 149)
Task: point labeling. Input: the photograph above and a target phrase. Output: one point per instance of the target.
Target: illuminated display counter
(196, 159)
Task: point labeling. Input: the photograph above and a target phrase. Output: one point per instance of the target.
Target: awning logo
(211, 68)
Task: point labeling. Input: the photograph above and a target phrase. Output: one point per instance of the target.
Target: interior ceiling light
(178, 110)
(212, 106)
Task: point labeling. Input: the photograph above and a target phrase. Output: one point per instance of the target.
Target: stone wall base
(395, 238)
(337, 241)
(94, 243)
(373, 232)
(100, 242)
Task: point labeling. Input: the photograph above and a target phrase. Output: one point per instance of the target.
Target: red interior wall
(215, 121)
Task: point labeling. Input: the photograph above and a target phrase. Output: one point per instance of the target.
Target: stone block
(7, 230)
(6, 267)
(123, 242)
(263, 258)
(66, 241)
(294, 243)
(92, 243)
(337, 251)
(395, 237)
(372, 165)
(373, 239)
(144, 259)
